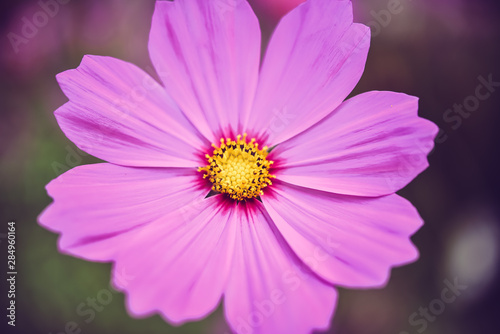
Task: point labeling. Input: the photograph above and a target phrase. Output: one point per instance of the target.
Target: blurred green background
(436, 50)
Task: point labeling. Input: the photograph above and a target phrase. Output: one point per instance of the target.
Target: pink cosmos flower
(282, 225)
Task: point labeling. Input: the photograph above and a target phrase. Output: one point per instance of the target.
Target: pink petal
(120, 114)
(315, 58)
(179, 264)
(373, 144)
(207, 54)
(267, 293)
(348, 241)
(98, 209)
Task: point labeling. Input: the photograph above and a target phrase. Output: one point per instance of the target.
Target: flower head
(195, 207)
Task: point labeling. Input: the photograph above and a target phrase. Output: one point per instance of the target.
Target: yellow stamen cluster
(238, 169)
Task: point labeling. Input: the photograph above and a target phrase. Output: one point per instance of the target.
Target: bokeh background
(437, 50)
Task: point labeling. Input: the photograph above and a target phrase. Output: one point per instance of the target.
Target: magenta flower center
(238, 169)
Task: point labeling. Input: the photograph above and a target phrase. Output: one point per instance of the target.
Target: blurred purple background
(440, 51)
